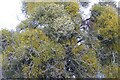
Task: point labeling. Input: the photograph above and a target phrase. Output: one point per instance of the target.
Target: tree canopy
(54, 42)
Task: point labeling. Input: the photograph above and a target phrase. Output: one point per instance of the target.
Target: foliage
(34, 49)
(51, 44)
(106, 26)
(57, 19)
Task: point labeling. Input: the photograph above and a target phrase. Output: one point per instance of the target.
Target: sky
(86, 11)
(11, 14)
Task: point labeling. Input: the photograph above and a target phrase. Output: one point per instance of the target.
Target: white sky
(11, 14)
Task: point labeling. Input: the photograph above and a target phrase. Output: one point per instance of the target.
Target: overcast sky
(11, 13)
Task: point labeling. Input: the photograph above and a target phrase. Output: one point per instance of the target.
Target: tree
(34, 50)
(105, 26)
(51, 44)
(31, 50)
